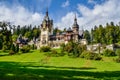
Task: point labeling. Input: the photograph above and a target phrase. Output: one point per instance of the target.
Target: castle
(47, 38)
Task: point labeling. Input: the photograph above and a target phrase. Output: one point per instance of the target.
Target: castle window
(43, 29)
(44, 42)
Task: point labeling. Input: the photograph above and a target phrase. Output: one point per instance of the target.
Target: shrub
(4, 48)
(1, 44)
(25, 49)
(117, 52)
(45, 49)
(117, 60)
(97, 57)
(33, 47)
(68, 48)
(74, 49)
(54, 53)
(76, 52)
(84, 53)
(17, 48)
(62, 47)
(108, 53)
(11, 52)
(81, 48)
(13, 47)
(90, 55)
(62, 53)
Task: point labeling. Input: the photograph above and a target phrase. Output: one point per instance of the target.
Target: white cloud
(18, 15)
(92, 1)
(66, 4)
(100, 14)
(66, 21)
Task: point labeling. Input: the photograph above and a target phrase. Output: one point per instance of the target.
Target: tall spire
(75, 22)
(75, 18)
(46, 16)
(47, 11)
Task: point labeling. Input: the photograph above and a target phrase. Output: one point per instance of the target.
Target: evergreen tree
(87, 36)
(17, 48)
(13, 48)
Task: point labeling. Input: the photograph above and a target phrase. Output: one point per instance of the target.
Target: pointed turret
(46, 16)
(75, 20)
(46, 30)
(75, 28)
(75, 25)
(47, 12)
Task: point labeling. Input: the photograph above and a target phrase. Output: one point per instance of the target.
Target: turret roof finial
(47, 11)
(75, 18)
(46, 16)
(75, 22)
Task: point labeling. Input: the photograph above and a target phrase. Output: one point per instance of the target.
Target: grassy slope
(36, 66)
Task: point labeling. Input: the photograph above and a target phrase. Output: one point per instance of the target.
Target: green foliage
(4, 48)
(55, 53)
(118, 52)
(69, 48)
(33, 47)
(14, 37)
(83, 48)
(1, 45)
(36, 32)
(45, 49)
(1, 41)
(28, 35)
(117, 60)
(27, 31)
(108, 53)
(74, 49)
(11, 52)
(17, 48)
(90, 55)
(106, 35)
(62, 47)
(62, 53)
(13, 49)
(5, 36)
(25, 49)
(76, 52)
(118, 42)
(87, 36)
(56, 30)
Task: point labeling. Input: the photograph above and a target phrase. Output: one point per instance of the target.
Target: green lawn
(36, 66)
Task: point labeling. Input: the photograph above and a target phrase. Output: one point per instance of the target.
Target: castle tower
(75, 28)
(46, 30)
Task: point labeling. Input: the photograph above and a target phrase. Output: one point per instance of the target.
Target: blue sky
(56, 7)
(89, 12)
